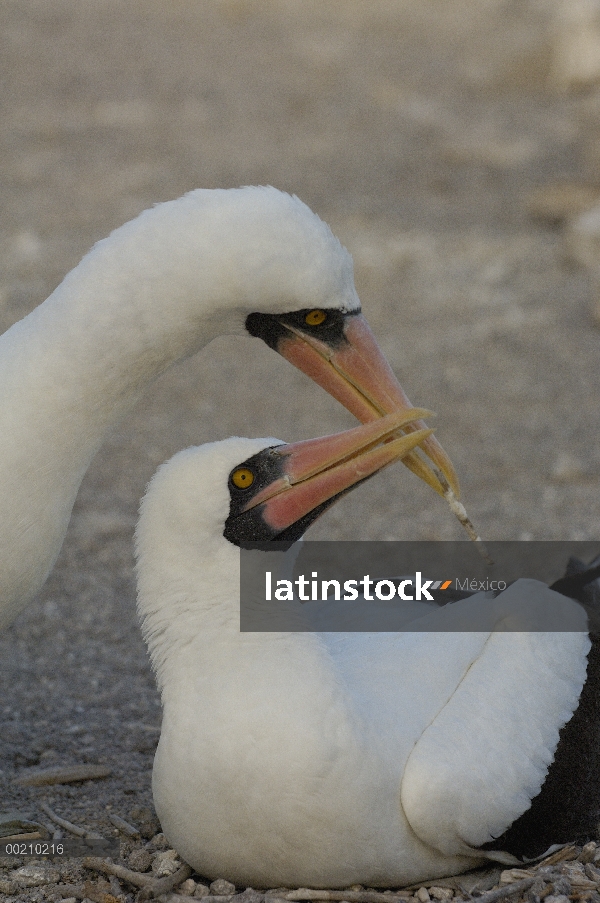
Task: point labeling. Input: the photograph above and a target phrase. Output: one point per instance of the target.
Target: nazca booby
(328, 759)
(249, 261)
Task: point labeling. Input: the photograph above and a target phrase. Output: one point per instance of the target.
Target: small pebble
(187, 888)
(592, 872)
(34, 875)
(441, 893)
(7, 887)
(423, 895)
(546, 872)
(588, 852)
(575, 868)
(158, 842)
(140, 860)
(166, 863)
(561, 887)
(222, 888)
(202, 890)
(249, 896)
(509, 876)
(538, 888)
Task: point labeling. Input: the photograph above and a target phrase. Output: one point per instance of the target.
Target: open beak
(357, 374)
(316, 471)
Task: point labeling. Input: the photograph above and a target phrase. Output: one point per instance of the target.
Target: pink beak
(318, 470)
(358, 375)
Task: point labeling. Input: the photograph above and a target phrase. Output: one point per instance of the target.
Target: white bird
(324, 759)
(246, 261)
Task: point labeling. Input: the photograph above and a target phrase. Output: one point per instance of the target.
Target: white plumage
(330, 759)
(155, 291)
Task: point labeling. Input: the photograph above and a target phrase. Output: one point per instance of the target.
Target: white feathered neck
(188, 573)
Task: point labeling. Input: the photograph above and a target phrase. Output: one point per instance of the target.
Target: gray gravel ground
(419, 131)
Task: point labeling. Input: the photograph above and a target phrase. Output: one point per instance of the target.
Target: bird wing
(484, 756)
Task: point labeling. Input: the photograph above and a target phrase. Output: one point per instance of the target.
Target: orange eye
(315, 317)
(242, 478)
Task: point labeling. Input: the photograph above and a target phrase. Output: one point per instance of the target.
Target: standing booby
(249, 261)
(328, 759)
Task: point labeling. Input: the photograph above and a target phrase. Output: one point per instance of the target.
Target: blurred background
(453, 147)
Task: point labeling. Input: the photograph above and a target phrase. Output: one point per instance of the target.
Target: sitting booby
(249, 261)
(328, 759)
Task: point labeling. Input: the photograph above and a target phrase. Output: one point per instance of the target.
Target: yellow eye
(315, 317)
(242, 477)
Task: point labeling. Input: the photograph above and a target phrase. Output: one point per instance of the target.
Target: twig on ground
(492, 896)
(63, 775)
(54, 832)
(151, 887)
(95, 864)
(567, 852)
(69, 826)
(163, 885)
(123, 826)
(31, 835)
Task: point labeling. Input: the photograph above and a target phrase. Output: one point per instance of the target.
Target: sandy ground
(419, 131)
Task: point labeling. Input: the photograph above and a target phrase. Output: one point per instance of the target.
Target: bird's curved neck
(79, 361)
(68, 373)
(100, 341)
(189, 601)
